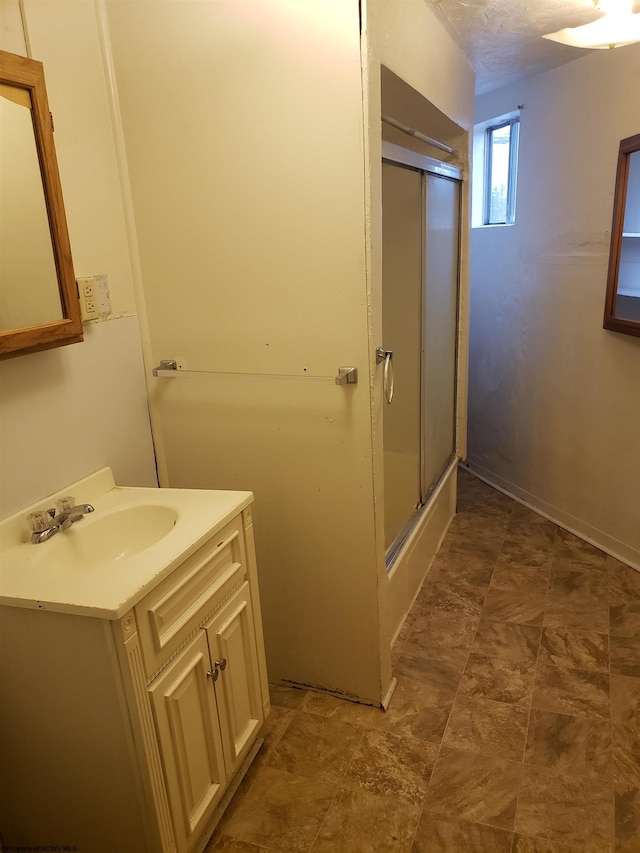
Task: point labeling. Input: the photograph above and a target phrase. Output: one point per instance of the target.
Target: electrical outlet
(86, 291)
(95, 299)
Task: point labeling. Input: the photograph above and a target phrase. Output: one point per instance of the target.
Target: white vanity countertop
(53, 575)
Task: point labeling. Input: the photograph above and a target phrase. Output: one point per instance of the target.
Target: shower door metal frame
(396, 155)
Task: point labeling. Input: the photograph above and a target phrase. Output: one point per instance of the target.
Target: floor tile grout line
(571, 773)
(533, 689)
(457, 818)
(571, 847)
(421, 812)
(441, 743)
(457, 693)
(337, 790)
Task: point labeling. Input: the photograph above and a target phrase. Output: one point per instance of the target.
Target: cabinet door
(232, 643)
(184, 707)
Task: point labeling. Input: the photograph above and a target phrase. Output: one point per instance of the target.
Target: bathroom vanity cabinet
(124, 731)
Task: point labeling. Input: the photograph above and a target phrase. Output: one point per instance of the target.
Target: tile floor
(515, 725)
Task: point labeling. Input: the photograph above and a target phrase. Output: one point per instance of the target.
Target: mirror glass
(622, 307)
(29, 292)
(39, 305)
(628, 293)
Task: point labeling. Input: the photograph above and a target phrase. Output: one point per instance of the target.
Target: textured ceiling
(502, 39)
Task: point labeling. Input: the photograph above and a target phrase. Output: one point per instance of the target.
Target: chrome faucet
(67, 513)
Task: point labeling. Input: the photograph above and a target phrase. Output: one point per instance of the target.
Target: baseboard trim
(318, 688)
(609, 544)
(387, 699)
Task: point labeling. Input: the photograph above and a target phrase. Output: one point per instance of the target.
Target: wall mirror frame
(27, 76)
(622, 303)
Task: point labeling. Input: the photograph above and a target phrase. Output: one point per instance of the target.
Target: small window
(501, 153)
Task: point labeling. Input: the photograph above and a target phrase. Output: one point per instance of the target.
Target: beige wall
(243, 126)
(408, 39)
(68, 411)
(555, 399)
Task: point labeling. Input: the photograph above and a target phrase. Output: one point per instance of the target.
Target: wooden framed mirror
(622, 304)
(39, 305)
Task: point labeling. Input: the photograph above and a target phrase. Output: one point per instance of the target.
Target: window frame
(512, 176)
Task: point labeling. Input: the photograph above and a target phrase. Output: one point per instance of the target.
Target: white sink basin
(107, 560)
(98, 539)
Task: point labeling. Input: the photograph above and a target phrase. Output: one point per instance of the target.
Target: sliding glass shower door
(421, 212)
(440, 318)
(402, 263)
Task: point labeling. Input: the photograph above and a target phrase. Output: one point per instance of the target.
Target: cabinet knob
(222, 663)
(213, 674)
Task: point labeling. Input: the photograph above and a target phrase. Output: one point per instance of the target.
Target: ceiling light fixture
(618, 26)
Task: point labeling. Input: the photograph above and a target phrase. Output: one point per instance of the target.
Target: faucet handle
(38, 521)
(65, 503)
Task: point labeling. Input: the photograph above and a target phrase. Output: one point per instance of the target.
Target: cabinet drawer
(177, 606)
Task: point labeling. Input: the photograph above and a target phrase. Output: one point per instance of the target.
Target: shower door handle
(388, 379)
